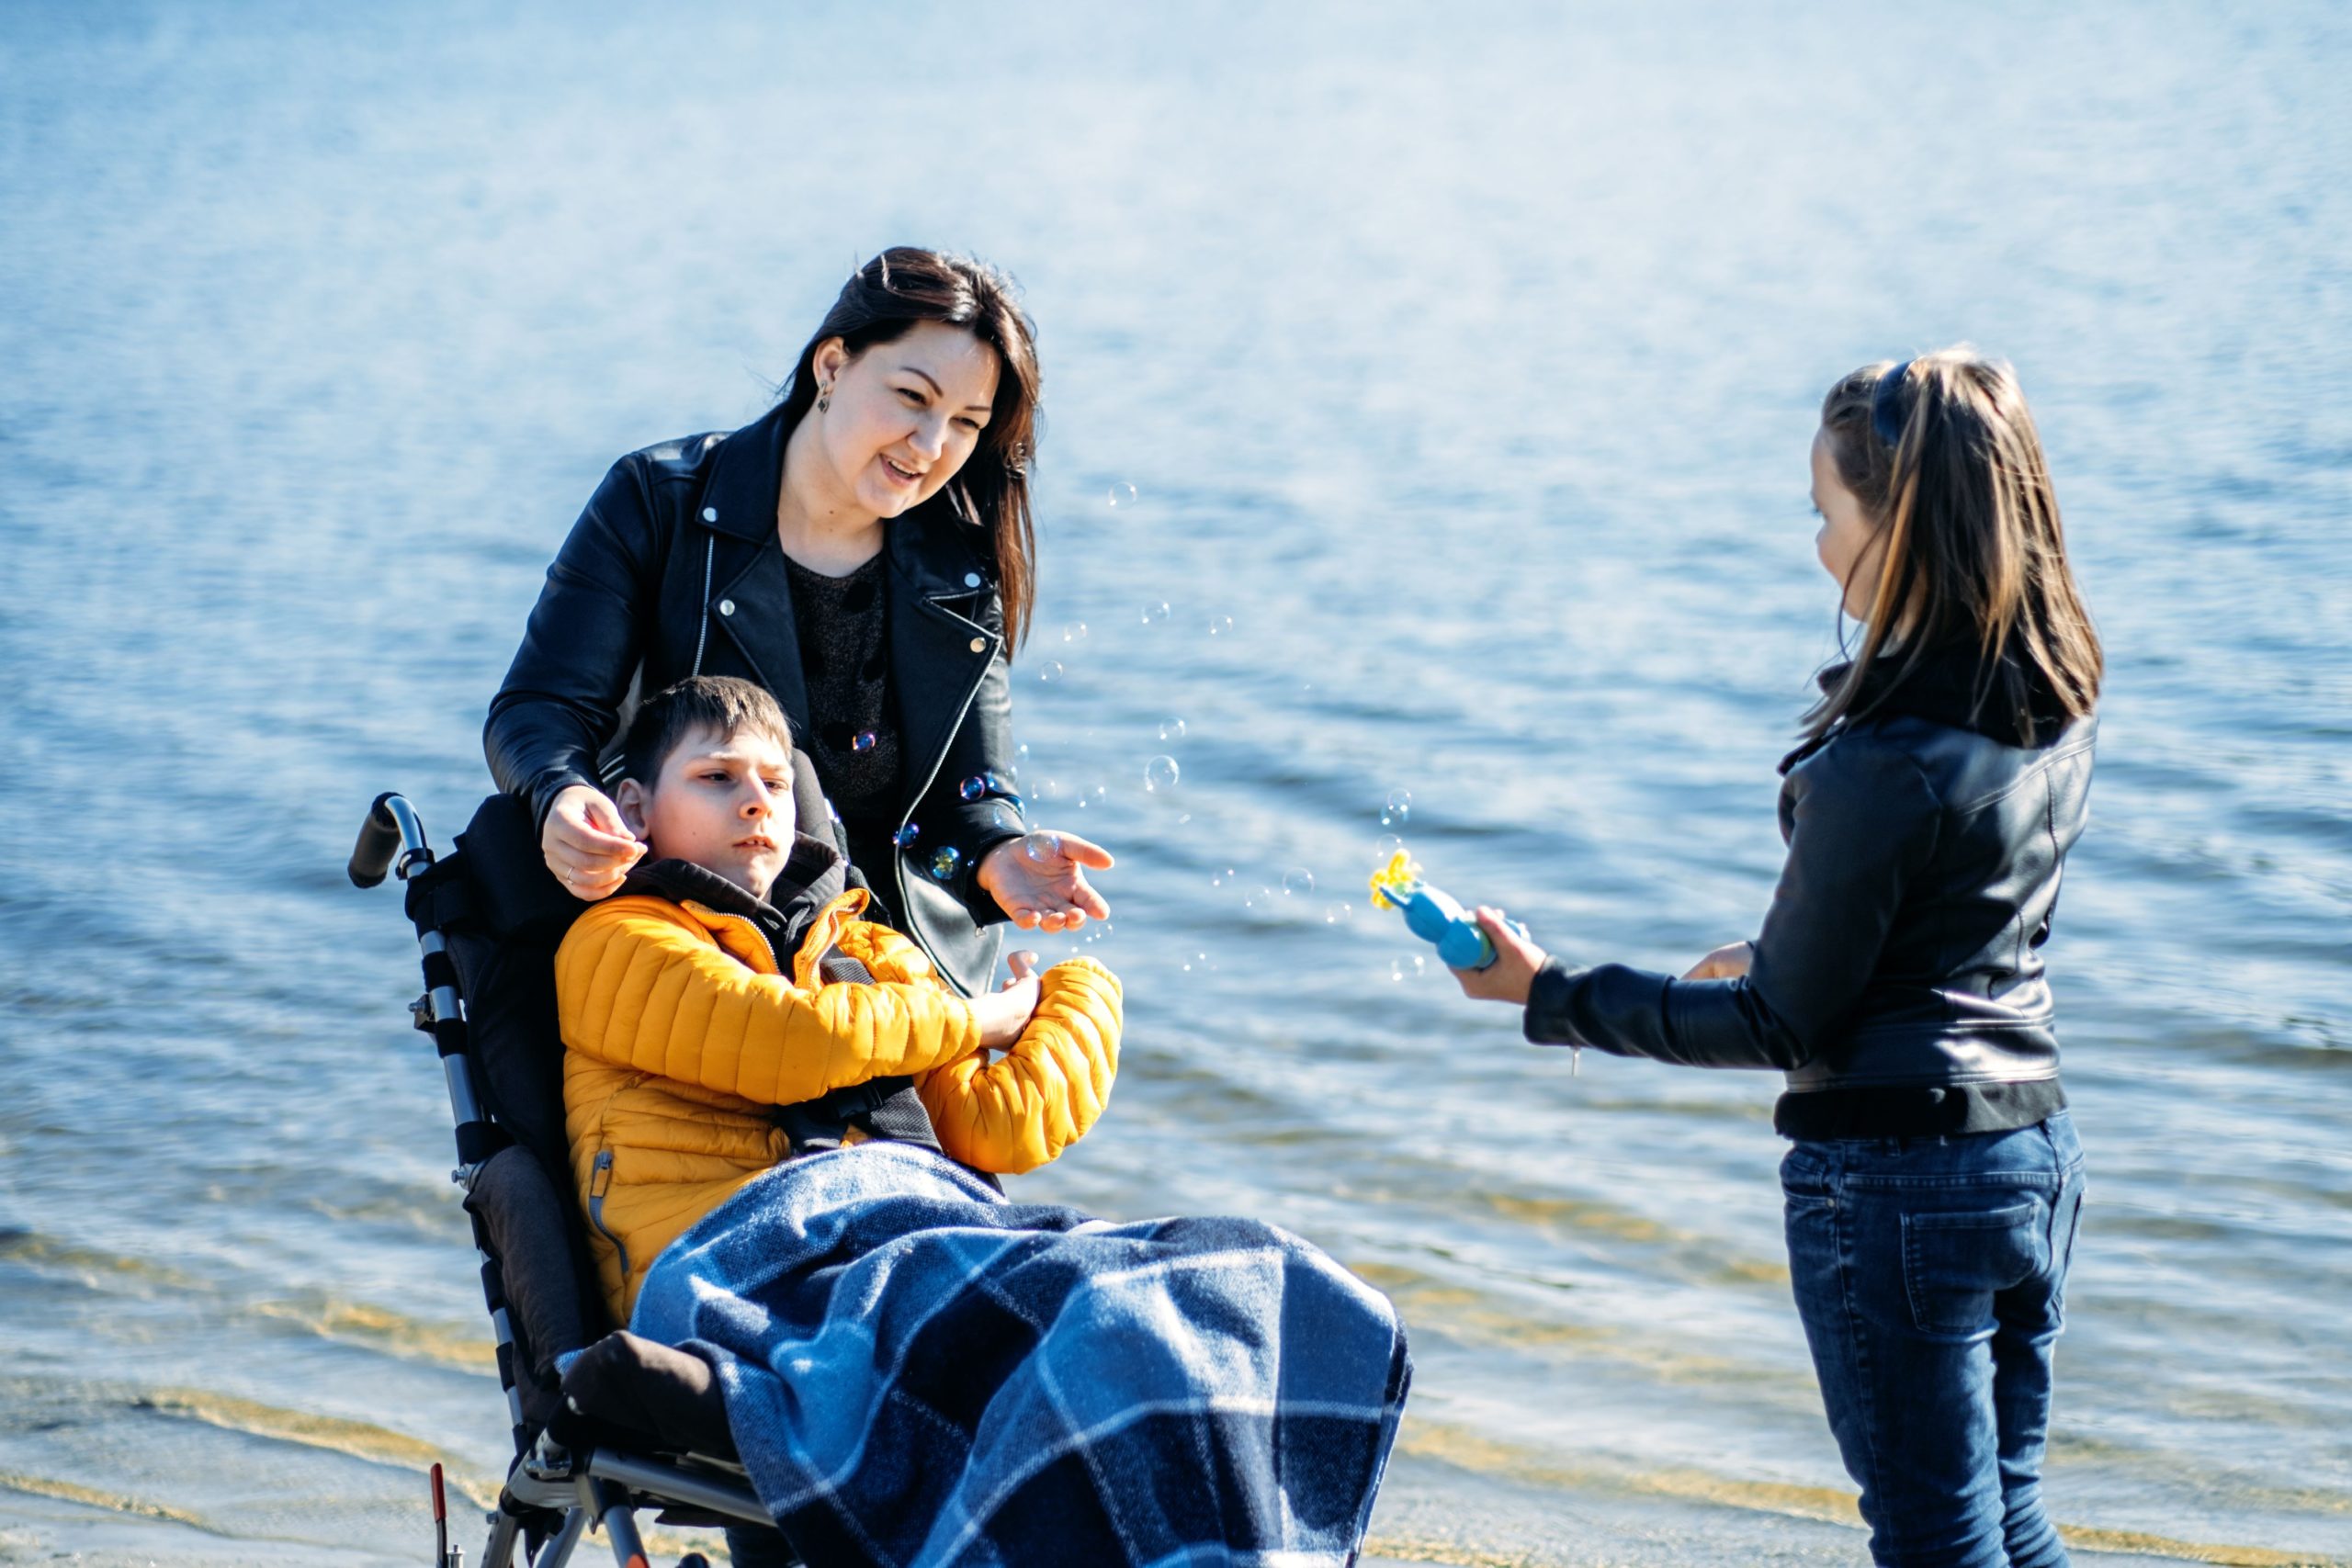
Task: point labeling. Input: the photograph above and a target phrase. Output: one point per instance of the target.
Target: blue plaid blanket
(920, 1371)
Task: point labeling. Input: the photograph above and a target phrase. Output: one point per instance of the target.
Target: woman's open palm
(1039, 879)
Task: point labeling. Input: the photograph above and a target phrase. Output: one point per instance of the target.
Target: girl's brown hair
(1943, 456)
(882, 301)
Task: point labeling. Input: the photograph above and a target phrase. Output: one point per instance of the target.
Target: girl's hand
(1724, 964)
(1006, 1012)
(586, 844)
(1040, 880)
(1512, 974)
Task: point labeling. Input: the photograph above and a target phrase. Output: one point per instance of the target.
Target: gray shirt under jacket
(1899, 978)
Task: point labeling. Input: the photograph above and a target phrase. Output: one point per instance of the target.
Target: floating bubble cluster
(943, 861)
(1298, 883)
(1161, 773)
(1123, 494)
(1050, 671)
(1397, 808)
(863, 741)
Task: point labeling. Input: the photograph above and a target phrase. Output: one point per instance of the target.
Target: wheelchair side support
(545, 1481)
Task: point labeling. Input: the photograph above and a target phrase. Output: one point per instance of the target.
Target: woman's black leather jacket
(674, 569)
(1899, 978)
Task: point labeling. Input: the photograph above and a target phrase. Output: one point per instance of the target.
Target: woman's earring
(825, 398)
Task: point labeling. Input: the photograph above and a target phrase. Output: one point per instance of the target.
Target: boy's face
(722, 802)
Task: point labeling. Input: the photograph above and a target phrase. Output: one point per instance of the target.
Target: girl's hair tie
(1884, 420)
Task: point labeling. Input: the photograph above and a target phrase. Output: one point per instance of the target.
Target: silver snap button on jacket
(727, 606)
(979, 644)
(710, 515)
(972, 580)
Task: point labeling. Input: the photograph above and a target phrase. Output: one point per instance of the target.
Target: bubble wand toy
(1432, 915)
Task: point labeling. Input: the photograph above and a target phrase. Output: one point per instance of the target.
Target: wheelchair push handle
(391, 829)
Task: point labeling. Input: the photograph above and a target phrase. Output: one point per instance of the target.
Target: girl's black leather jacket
(1899, 978)
(673, 569)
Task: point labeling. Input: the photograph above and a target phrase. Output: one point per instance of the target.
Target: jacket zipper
(598, 1182)
(899, 861)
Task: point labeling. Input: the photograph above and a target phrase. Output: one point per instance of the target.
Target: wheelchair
(604, 1423)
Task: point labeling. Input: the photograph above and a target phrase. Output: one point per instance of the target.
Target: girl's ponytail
(1943, 456)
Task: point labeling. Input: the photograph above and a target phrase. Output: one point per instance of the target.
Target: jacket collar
(814, 875)
(935, 552)
(1951, 684)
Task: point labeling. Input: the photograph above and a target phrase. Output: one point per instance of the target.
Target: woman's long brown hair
(882, 301)
(1973, 549)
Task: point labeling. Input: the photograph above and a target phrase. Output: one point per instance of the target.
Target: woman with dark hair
(864, 551)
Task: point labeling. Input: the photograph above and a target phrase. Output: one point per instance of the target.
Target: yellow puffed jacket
(681, 1031)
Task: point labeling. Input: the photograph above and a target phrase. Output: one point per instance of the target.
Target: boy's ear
(631, 797)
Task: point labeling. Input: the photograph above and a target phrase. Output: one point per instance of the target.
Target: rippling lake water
(1463, 361)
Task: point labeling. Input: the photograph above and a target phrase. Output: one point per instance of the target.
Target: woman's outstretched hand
(585, 843)
(1512, 974)
(1729, 962)
(1039, 879)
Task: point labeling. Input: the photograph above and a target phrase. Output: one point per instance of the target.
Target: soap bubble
(1219, 625)
(1338, 914)
(1261, 899)
(1219, 879)
(1041, 849)
(1048, 789)
(1050, 671)
(863, 741)
(974, 788)
(1385, 847)
(1074, 632)
(1160, 773)
(1415, 967)
(1298, 883)
(906, 835)
(1171, 729)
(1123, 494)
(1092, 794)
(1156, 612)
(1021, 752)
(1398, 807)
(943, 861)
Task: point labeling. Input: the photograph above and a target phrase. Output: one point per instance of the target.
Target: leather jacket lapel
(938, 653)
(754, 609)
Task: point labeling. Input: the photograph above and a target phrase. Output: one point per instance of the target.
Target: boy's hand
(1724, 964)
(1512, 974)
(1006, 1014)
(585, 843)
(1040, 880)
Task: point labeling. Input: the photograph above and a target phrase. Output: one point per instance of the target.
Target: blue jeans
(1931, 1273)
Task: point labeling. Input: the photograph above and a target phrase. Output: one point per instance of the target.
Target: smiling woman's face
(902, 417)
(1849, 542)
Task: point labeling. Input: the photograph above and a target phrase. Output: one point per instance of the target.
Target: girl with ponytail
(1933, 1179)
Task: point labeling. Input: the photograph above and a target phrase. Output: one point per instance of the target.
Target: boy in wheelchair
(780, 1122)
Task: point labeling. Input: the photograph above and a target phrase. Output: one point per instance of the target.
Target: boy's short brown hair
(719, 703)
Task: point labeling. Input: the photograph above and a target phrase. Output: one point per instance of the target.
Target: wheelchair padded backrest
(502, 914)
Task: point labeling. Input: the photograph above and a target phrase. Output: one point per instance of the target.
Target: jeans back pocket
(1956, 1260)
